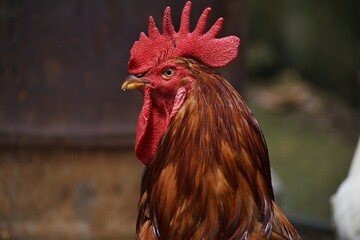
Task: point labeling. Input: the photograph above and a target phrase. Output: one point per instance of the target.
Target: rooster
(207, 172)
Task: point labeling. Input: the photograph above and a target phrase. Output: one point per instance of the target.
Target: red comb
(204, 47)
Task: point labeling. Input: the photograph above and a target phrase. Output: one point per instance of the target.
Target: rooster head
(156, 72)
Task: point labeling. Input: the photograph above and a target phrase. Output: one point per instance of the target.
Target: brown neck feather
(210, 176)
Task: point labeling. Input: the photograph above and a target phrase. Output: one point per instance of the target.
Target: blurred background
(67, 164)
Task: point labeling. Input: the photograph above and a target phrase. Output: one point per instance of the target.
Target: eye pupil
(168, 73)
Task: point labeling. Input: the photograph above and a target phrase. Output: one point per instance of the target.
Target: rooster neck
(211, 165)
(215, 130)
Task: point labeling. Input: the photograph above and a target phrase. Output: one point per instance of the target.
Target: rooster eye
(168, 73)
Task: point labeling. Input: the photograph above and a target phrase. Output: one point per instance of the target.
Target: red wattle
(150, 127)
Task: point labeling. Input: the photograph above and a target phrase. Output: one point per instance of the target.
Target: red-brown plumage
(207, 170)
(210, 176)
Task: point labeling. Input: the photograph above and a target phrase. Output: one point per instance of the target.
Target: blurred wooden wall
(62, 64)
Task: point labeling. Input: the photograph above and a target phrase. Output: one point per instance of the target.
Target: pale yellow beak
(132, 82)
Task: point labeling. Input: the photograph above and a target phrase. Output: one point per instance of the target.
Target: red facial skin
(169, 85)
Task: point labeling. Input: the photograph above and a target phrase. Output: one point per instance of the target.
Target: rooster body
(207, 170)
